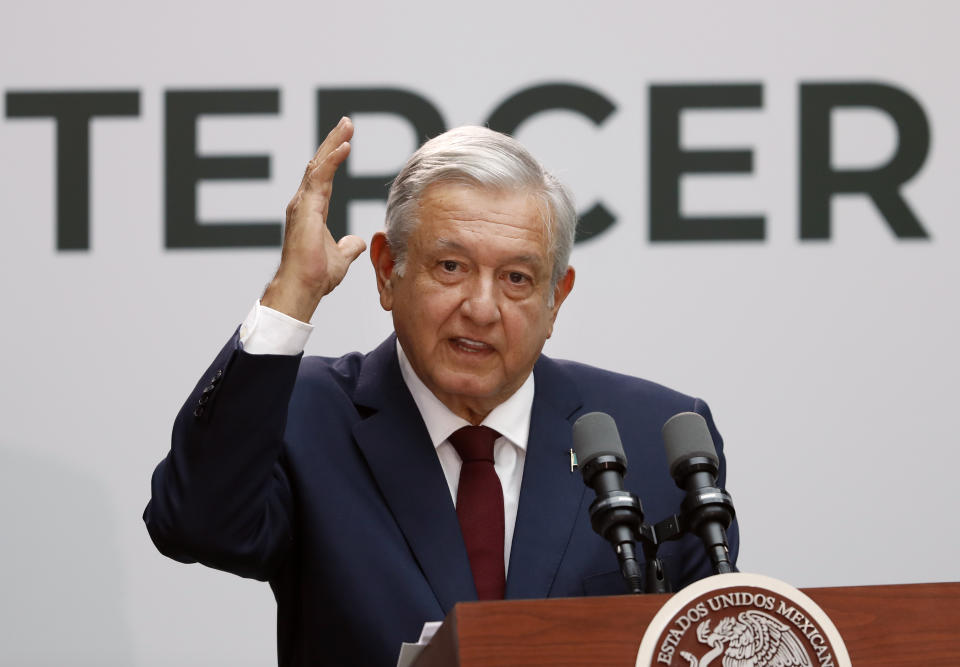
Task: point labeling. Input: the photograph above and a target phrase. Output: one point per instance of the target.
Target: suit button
(203, 399)
(198, 411)
(209, 389)
(216, 378)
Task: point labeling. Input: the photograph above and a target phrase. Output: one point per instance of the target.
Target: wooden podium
(911, 624)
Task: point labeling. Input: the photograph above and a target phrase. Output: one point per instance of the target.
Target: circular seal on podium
(747, 620)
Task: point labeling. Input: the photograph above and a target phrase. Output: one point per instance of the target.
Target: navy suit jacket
(318, 475)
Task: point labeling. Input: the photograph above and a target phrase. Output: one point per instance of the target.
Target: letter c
(522, 105)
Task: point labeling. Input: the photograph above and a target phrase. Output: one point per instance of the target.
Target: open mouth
(471, 346)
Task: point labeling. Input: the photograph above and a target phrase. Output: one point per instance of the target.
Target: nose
(480, 304)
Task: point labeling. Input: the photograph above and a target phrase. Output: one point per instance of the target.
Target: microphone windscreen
(686, 435)
(595, 434)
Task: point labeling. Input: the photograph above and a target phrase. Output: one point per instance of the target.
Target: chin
(468, 386)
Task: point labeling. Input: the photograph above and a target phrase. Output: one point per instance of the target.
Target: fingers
(320, 177)
(316, 187)
(333, 144)
(343, 131)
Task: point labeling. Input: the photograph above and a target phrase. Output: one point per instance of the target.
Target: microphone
(707, 510)
(615, 514)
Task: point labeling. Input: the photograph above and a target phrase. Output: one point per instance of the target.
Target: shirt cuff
(268, 331)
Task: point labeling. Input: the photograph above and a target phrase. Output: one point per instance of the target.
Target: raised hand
(312, 264)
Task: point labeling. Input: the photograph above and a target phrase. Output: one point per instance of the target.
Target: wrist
(291, 297)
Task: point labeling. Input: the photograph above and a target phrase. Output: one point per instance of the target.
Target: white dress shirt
(267, 331)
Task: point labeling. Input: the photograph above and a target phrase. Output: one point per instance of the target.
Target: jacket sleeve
(221, 496)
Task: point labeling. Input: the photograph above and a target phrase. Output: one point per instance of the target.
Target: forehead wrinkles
(483, 212)
(487, 231)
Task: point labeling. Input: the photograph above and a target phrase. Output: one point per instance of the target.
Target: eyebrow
(448, 244)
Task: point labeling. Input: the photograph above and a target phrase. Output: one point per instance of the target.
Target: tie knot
(474, 443)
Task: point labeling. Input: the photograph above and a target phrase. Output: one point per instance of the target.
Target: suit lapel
(550, 494)
(404, 464)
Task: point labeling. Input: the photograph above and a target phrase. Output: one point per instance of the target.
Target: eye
(517, 278)
(449, 265)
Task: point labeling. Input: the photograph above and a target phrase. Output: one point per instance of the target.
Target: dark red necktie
(480, 509)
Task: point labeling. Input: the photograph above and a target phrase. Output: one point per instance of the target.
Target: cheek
(527, 325)
(434, 307)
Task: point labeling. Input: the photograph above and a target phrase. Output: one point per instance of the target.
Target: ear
(564, 285)
(383, 261)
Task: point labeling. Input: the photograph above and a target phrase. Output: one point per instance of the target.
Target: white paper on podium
(409, 652)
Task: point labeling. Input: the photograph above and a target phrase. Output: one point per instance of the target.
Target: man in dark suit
(351, 484)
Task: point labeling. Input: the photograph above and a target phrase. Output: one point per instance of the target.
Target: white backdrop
(830, 366)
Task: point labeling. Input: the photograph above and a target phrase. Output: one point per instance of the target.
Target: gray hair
(482, 157)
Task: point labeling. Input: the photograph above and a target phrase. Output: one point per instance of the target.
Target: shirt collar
(511, 419)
